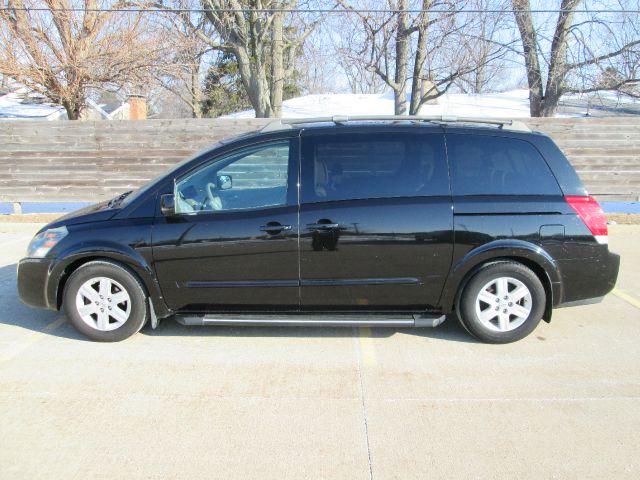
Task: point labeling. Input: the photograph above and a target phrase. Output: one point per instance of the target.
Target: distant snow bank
(511, 104)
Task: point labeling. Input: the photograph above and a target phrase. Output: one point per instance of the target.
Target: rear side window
(486, 165)
(373, 166)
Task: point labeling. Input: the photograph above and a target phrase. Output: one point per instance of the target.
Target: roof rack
(281, 124)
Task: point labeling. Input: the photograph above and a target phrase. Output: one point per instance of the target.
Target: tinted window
(254, 177)
(485, 165)
(373, 166)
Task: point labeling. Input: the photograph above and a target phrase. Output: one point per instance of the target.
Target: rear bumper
(579, 303)
(33, 278)
(611, 270)
(586, 281)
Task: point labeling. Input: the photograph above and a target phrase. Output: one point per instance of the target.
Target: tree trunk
(277, 66)
(558, 60)
(196, 92)
(73, 109)
(260, 92)
(402, 60)
(255, 82)
(522, 12)
(478, 83)
(420, 58)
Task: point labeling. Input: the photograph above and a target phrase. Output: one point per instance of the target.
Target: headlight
(45, 241)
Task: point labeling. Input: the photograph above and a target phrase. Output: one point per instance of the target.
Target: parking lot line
(366, 346)
(32, 338)
(626, 297)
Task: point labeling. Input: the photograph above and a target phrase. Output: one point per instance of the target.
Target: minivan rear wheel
(105, 301)
(503, 302)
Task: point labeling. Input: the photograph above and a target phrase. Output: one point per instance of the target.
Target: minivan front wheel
(105, 302)
(503, 302)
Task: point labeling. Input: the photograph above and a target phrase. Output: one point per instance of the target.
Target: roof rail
(514, 125)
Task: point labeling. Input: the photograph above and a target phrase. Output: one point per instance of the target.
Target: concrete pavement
(182, 402)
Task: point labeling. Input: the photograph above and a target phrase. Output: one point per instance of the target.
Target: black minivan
(371, 221)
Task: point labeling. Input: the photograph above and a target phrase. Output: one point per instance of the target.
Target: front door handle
(323, 226)
(274, 228)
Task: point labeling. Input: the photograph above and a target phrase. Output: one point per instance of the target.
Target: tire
(105, 301)
(485, 312)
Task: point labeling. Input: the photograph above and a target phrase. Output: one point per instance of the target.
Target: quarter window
(487, 165)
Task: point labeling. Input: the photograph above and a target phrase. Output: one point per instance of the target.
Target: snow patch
(511, 104)
(11, 106)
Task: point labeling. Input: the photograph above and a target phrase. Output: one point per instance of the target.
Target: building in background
(17, 102)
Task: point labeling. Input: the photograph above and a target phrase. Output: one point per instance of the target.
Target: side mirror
(167, 205)
(224, 182)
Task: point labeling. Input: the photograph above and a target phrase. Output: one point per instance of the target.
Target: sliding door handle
(323, 226)
(273, 227)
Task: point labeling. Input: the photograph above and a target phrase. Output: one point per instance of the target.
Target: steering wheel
(214, 200)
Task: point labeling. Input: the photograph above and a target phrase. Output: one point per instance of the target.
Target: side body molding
(463, 268)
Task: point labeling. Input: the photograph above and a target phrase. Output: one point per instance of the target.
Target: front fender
(526, 252)
(74, 255)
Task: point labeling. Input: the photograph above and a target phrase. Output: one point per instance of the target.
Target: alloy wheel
(503, 304)
(103, 304)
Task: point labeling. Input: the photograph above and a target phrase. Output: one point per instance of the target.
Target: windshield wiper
(115, 201)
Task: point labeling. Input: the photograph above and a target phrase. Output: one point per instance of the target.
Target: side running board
(311, 320)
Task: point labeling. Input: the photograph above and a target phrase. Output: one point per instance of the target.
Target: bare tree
(360, 78)
(61, 54)
(453, 45)
(485, 44)
(316, 64)
(387, 46)
(429, 64)
(265, 40)
(433, 72)
(180, 73)
(577, 51)
(350, 46)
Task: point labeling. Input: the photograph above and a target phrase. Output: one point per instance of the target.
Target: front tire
(502, 303)
(105, 301)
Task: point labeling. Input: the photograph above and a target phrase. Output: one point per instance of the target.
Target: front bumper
(33, 282)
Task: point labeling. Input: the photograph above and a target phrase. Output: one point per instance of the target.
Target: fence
(91, 161)
(604, 151)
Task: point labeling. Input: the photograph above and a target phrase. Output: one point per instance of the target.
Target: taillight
(591, 213)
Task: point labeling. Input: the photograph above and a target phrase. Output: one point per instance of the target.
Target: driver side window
(251, 178)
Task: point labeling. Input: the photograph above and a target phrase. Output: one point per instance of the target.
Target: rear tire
(105, 301)
(503, 302)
